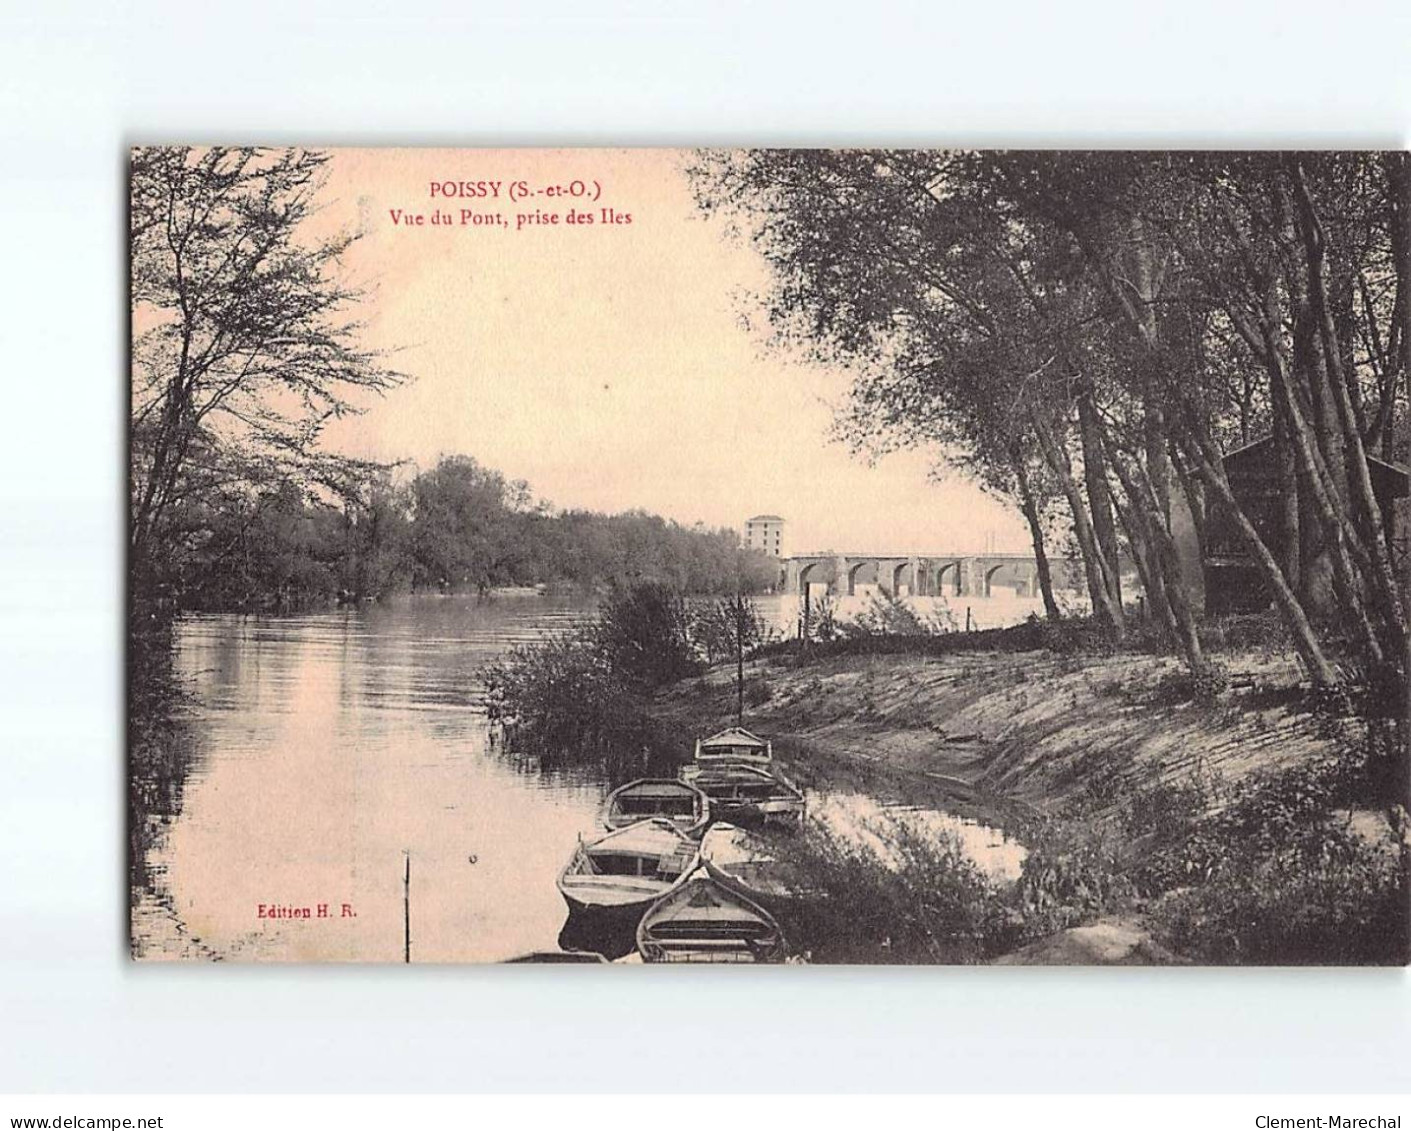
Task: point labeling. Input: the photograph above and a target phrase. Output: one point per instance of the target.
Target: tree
(954, 311)
(466, 525)
(643, 631)
(245, 337)
(1104, 327)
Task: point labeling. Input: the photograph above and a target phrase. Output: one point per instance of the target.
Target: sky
(610, 365)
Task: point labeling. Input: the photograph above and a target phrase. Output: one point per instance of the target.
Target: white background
(79, 82)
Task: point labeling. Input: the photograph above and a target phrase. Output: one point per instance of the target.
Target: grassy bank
(1227, 824)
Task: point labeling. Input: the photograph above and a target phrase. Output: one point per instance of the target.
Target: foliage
(1071, 874)
(889, 615)
(820, 619)
(457, 526)
(463, 529)
(719, 628)
(1268, 870)
(899, 894)
(244, 338)
(582, 696)
(1319, 896)
(643, 634)
(1204, 686)
(1074, 637)
(1091, 332)
(560, 699)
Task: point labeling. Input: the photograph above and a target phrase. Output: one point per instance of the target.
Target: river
(336, 752)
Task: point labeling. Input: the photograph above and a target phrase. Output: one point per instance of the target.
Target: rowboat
(744, 862)
(682, 804)
(704, 921)
(621, 874)
(733, 746)
(749, 795)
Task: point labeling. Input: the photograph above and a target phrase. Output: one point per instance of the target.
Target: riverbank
(1105, 766)
(1008, 735)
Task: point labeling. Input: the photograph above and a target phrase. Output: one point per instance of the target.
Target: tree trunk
(1158, 607)
(1399, 182)
(1107, 613)
(1340, 537)
(1289, 533)
(1207, 459)
(1163, 562)
(1365, 508)
(1099, 494)
(1036, 533)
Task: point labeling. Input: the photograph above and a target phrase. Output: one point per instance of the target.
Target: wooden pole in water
(407, 909)
(739, 664)
(739, 648)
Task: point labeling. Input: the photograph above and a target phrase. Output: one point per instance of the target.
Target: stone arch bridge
(913, 575)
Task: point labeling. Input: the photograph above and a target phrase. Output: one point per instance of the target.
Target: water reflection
(334, 743)
(858, 816)
(317, 752)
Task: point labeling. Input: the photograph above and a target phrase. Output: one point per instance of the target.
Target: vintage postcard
(768, 556)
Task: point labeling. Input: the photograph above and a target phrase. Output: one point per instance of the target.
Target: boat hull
(609, 928)
(591, 906)
(741, 862)
(631, 803)
(559, 958)
(706, 922)
(743, 795)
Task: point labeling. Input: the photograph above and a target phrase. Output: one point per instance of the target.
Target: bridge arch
(853, 570)
(989, 575)
(941, 573)
(805, 576)
(897, 572)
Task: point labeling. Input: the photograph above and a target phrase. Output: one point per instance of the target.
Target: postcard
(782, 556)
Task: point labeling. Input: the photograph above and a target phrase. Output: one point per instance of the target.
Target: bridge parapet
(963, 575)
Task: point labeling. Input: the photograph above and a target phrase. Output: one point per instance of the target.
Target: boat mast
(739, 648)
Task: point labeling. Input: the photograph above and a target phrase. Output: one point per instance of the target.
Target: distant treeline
(458, 527)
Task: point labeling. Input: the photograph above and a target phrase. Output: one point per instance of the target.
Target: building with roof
(1260, 485)
(765, 532)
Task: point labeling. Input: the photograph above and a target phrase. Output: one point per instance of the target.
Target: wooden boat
(569, 957)
(749, 795)
(744, 863)
(734, 746)
(621, 874)
(679, 802)
(705, 921)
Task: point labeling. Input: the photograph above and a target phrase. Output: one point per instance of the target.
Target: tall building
(765, 532)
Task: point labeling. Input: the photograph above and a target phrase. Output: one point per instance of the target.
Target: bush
(580, 697)
(1276, 874)
(1165, 811)
(1069, 876)
(758, 691)
(1326, 897)
(1076, 637)
(1178, 687)
(560, 699)
(643, 634)
(716, 625)
(897, 894)
(887, 615)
